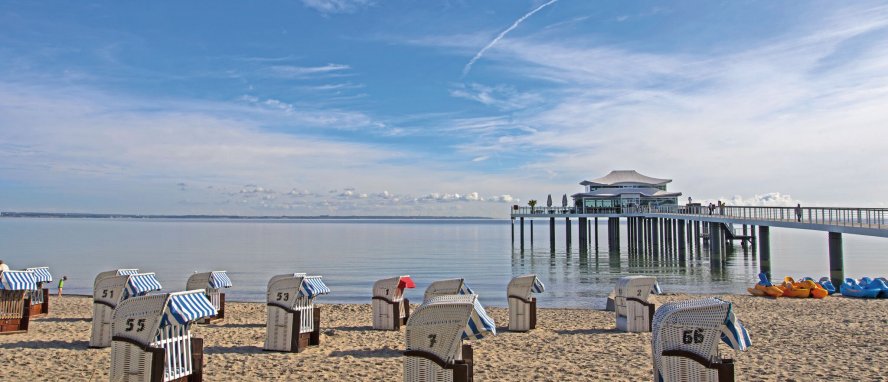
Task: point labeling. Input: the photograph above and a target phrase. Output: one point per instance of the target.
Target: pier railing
(839, 216)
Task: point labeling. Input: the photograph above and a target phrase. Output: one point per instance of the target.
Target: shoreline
(792, 339)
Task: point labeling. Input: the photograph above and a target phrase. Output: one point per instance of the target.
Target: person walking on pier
(798, 211)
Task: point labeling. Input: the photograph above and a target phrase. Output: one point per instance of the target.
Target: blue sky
(371, 107)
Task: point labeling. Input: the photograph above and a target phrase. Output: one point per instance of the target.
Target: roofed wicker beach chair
(522, 304)
(152, 338)
(38, 299)
(633, 311)
(685, 340)
(445, 288)
(14, 311)
(212, 283)
(110, 289)
(390, 308)
(293, 323)
(435, 334)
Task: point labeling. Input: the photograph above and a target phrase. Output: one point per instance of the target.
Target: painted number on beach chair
(139, 325)
(283, 296)
(432, 340)
(107, 293)
(692, 336)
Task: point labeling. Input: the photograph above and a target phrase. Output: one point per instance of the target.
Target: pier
(655, 224)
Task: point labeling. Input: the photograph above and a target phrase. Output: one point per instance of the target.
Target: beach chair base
(522, 314)
(301, 341)
(16, 324)
(640, 316)
(156, 357)
(724, 368)
(42, 309)
(394, 307)
(462, 370)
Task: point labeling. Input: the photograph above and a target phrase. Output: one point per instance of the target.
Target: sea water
(352, 254)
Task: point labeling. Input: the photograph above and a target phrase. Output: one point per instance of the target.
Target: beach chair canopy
(446, 287)
(733, 333)
(18, 280)
(525, 285)
(132, 271)
(312, 286)
(219, 279)
(42, 273)
(388, 287)
(141, 283)
(209, 280)
(283, 289)
(480, 324)
(185, 307)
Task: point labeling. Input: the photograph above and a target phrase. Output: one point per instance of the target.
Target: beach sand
(832, 339)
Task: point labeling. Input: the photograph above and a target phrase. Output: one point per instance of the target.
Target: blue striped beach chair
(686, 337)
(110, 289)
(522, 304)
(390, 308)
(152, 338)
(434, 338)
(293, 322)
(212, 283)
(15, 311)
(38, 300)
(634, 313)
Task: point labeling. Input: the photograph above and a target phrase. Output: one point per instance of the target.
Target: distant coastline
(78, 215)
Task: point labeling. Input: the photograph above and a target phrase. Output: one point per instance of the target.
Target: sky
(435, 108)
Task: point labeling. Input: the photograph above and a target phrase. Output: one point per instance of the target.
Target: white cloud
(337, 6)
(292, 71)
(502, 97)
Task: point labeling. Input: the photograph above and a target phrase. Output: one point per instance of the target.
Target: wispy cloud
(337, 6)
(292, 71)
(503, 97)
(500, 36)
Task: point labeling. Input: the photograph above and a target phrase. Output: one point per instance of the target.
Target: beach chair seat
(15, 311)
(390, 308)
(152, 338)
(109, 290)
(632, 309)
(212, 283)
(685, 340)
(38, 299)
(522, 304)
(434, 338)
(293, 322)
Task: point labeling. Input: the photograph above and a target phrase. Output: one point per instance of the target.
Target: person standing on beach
(62, 284)
(798, 211)
(3, 266)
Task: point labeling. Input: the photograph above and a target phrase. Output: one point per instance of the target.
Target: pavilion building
(624, 188)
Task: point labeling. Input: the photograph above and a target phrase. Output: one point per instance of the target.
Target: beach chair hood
(524, 286)
(142, 283)
(209, 280)
(186, 307)
(18, 280)
(283, 290)
(388, 287)
(220, 279)
(446, 287)
(42, 273)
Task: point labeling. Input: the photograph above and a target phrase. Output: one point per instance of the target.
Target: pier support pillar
(567, 233)
(715, 239)
(522, 232)
(836, 265)
(583, 238)
(513, 232)
(531, 233)
(682, 248)
(764, 242)
(552, 234)
(613, 229)
(596, 234)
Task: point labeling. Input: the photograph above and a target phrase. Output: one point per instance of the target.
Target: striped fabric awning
(480, 324)
(312, 286)
(184, 307)
(18, 280)
(219, 279)
(734, 334)
(464, 289)
(538, 286)
(139, 284)
(42, 273)
(656, 288)
(121, 272)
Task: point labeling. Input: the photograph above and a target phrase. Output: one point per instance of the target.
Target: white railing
(176, 341)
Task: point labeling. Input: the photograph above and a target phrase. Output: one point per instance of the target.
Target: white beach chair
(14, 311)
(633, 311)
(446, 288)
(38, 300)
(522, 304)
(110, 289)
(390, 308)
(685, 340)
(212, 282)
(152, 338)
(293, 323)
(435, 334)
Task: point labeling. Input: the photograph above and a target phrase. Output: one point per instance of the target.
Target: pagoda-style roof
(618, 177)
(614, 192)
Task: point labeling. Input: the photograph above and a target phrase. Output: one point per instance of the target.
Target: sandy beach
(832, 339)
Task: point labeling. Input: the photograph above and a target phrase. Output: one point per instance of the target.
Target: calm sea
(351, 254)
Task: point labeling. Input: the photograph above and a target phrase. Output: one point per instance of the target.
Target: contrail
(481, 52)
